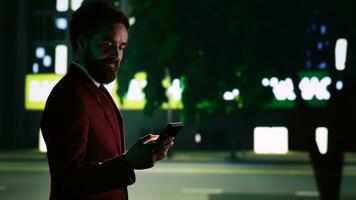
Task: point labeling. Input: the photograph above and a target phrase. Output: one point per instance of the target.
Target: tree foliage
(215, 46)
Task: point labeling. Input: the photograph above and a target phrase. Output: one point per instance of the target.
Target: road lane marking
(307, 193)
(202, 190)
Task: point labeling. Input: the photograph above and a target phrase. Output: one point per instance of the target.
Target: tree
(215, 46)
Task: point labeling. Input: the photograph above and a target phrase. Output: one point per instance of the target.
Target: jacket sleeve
(65, 126)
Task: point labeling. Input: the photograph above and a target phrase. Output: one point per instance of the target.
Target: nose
(116, 52)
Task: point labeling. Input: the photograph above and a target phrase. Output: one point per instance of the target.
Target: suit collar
(86, 72)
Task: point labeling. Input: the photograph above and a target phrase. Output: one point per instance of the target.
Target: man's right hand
(140, 155)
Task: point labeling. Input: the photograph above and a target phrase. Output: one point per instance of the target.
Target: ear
(82, 43)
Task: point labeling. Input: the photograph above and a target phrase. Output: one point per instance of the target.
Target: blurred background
(251, 80)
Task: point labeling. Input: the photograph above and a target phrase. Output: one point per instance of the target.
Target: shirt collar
(96, 83)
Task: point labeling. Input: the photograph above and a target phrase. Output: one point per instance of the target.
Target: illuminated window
(61, 58)
(340, 54)
(62, 5)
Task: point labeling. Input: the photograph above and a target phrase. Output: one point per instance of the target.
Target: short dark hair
(88, 19)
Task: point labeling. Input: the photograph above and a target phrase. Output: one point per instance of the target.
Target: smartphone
(171, 129)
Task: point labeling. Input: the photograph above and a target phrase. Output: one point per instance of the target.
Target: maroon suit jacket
(85, 139)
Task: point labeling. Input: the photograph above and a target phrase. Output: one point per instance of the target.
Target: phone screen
(171, 129)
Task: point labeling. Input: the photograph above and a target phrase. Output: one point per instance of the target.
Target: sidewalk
(292, 157)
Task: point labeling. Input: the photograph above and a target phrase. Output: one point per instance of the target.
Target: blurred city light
(282, 90)
(175, 90)
(61, 23)
(135, 91)
(35, 68)
(270, 140)
(40, 52)
(339, 85)
(322, 29)
(47, 61)
(229, 96)
(321, 138)
(197, 138)
(265, 82)
(132, 21)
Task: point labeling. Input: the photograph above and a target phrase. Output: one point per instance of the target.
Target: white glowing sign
(270, 140)
(310, 88)
(135, 91)
(282, 89)
(313, 87)
(175, 90)
(38, 87)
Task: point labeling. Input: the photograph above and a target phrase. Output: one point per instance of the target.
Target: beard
(102, 70)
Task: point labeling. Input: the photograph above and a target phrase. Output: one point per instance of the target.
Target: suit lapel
(103, 101)
(119, 120)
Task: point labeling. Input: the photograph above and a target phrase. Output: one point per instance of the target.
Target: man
(81, 125)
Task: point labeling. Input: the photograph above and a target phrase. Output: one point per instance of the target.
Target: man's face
(103, 54)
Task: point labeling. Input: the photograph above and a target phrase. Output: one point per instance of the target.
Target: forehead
(113, 31)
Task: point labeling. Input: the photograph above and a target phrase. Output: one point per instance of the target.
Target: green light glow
(38, 87)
